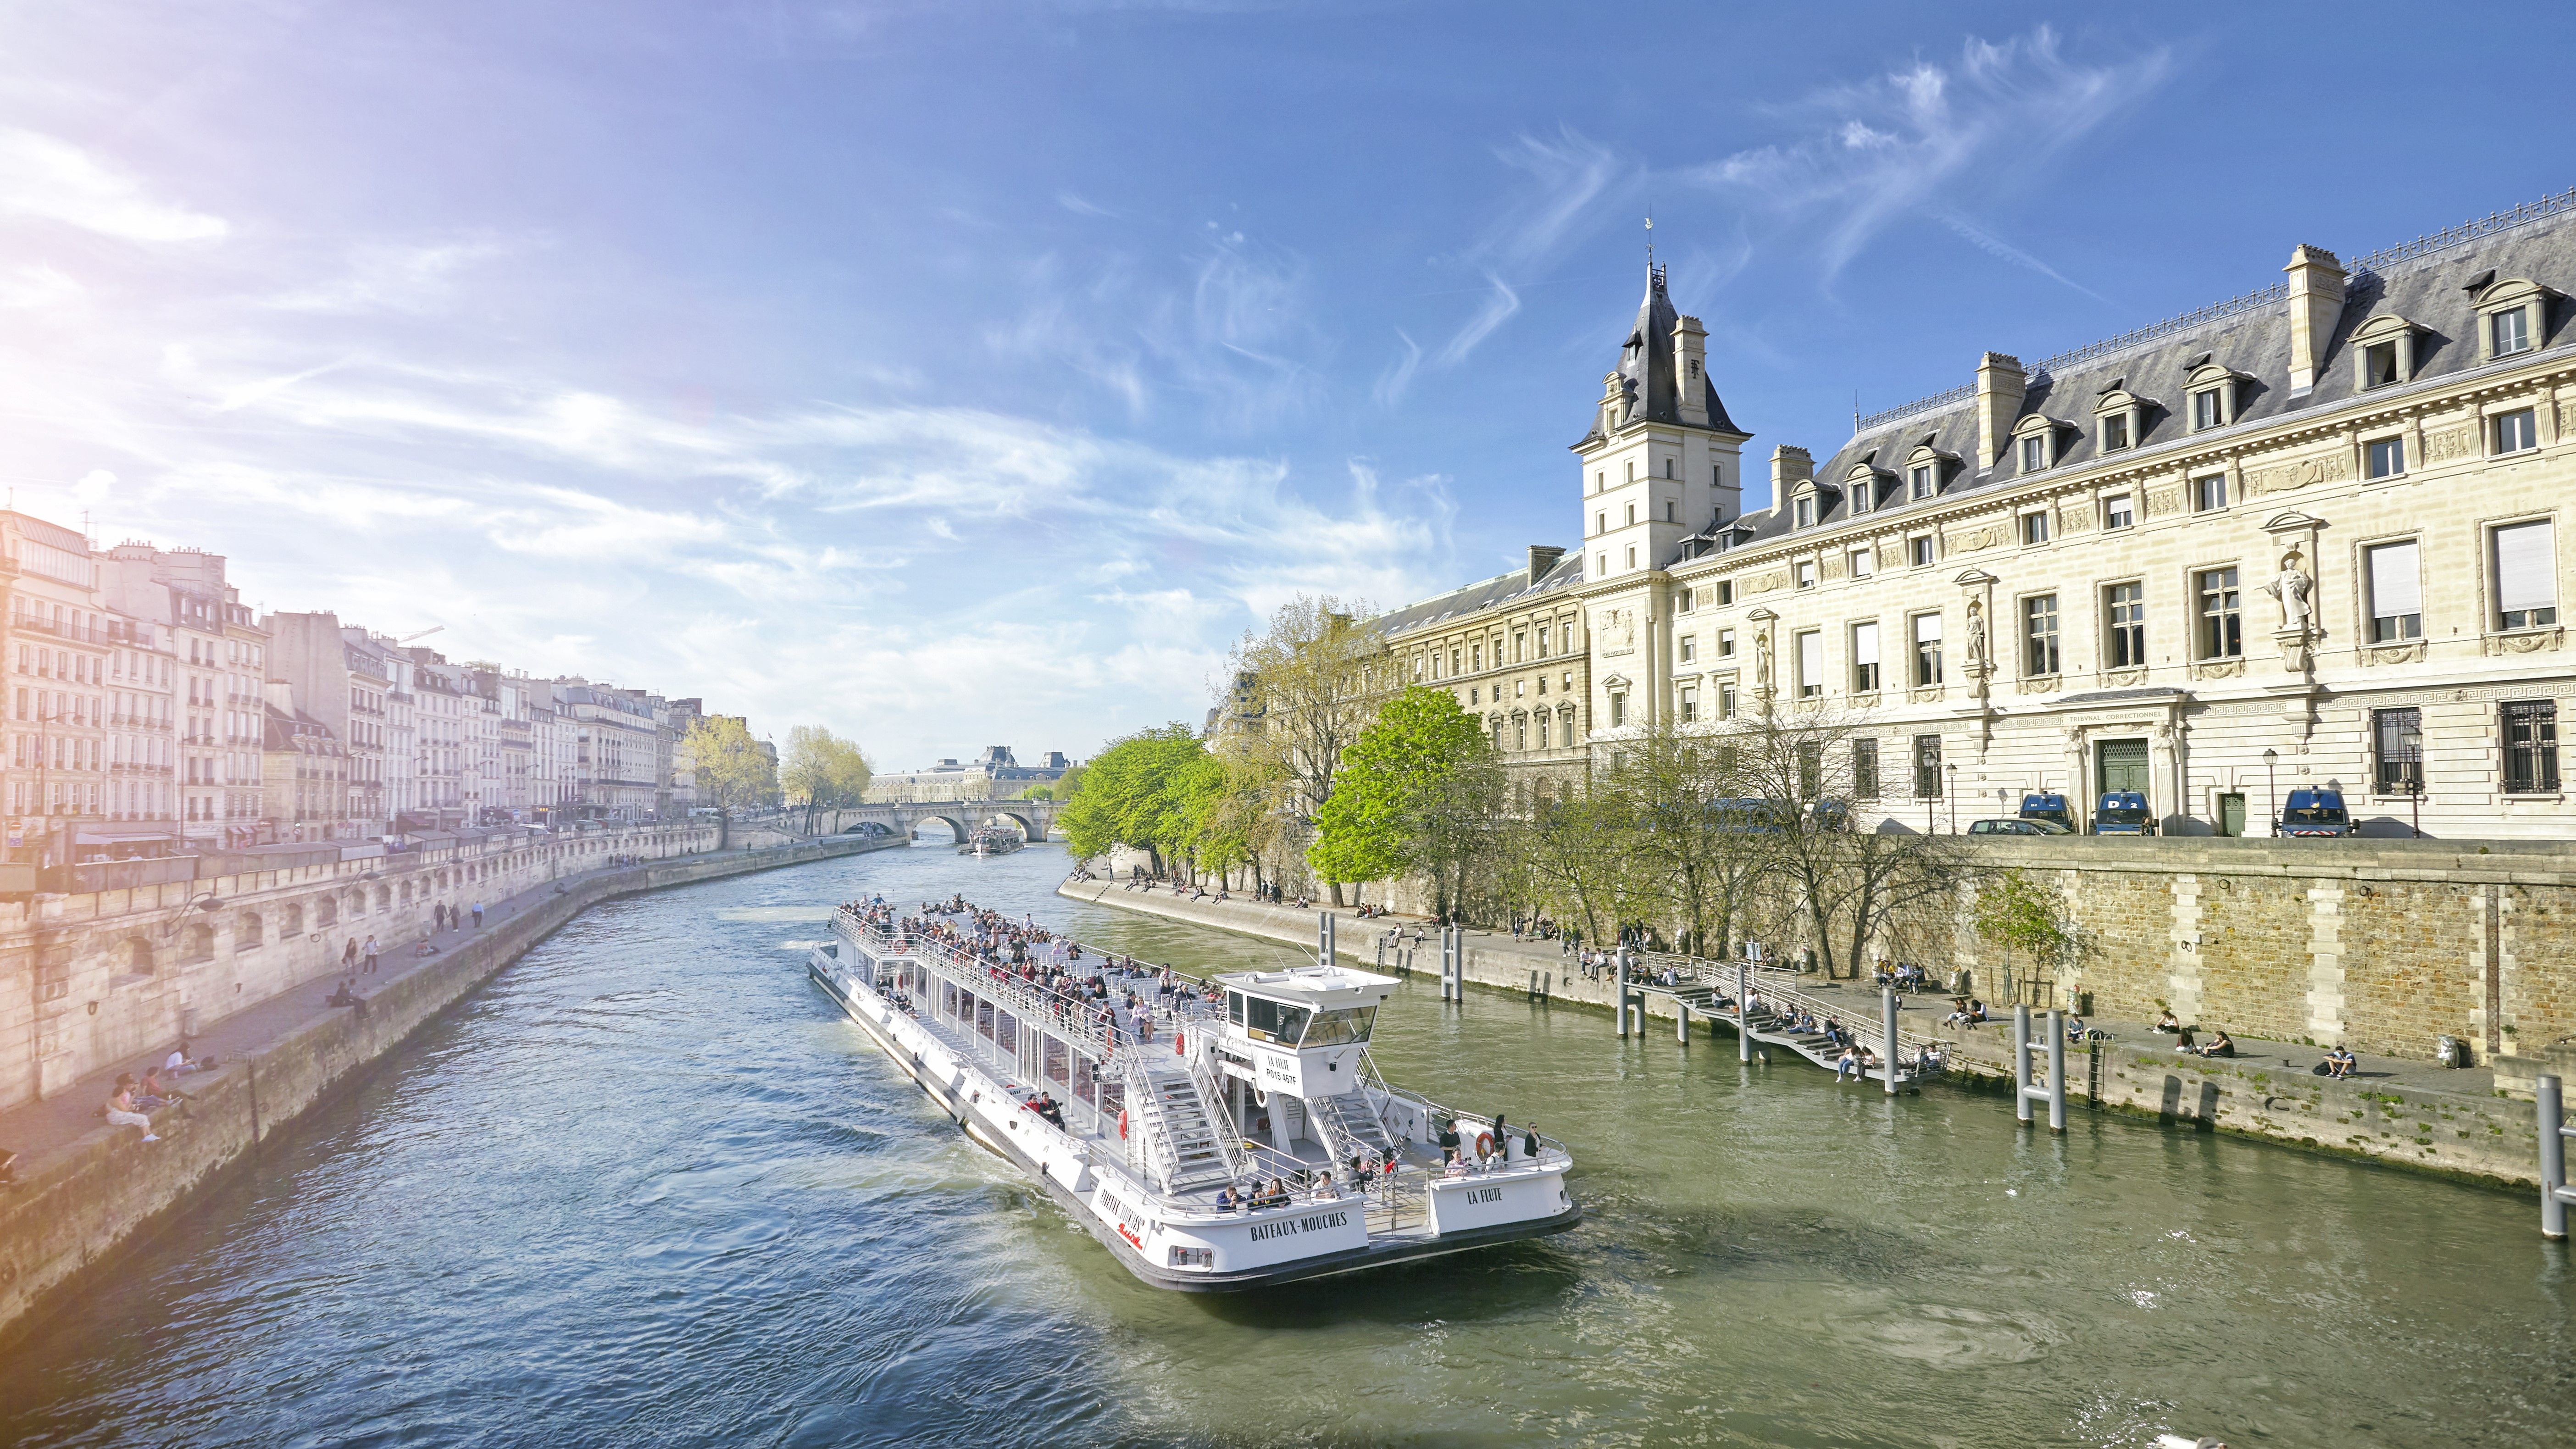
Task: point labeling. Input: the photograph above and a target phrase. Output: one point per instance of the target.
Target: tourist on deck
(1448, 1142)
(1225, 1199)
(121, 1111)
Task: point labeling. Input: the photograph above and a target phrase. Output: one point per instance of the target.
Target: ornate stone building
(2307, 537)
(1514, 650)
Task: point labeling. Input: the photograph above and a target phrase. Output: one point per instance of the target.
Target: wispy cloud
(56, 181)
(1921, 140)
(1398, 375)
(1565, 177)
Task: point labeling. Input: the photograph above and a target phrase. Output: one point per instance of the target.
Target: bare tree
(1852, 886)
(1679, 789)
(1302, 691)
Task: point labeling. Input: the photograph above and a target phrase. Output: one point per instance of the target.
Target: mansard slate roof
(1646, 367)
(2428, 283)
(1475, 598)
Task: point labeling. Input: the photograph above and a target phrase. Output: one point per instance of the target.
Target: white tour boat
(1220, 1147)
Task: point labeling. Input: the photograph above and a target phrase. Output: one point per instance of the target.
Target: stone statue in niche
(1976, 631)
(2291, 586)
(1627, 627)
(1762, 660)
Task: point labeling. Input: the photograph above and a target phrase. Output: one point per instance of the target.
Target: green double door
(2120, 765)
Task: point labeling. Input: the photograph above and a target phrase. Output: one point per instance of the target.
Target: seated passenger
(1225, 1199)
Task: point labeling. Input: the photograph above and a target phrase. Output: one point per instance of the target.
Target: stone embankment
(2405, 1113)
(76, 1202)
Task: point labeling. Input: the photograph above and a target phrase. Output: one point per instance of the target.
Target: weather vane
(1650, 238)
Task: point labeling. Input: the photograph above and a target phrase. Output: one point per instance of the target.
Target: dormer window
(1860, 487)
(1805, 510)
(2036, 438)
(2514, 315)
(1925, 467)
(1919, 482)
(2120, 416)
(2384, 349)
(2213, 392)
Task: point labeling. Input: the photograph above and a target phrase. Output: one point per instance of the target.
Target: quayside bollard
(1681, 1021)
(1887, 1034)
(1324, 939)
(1743, 1013)
(2021, 1065)
(1620, 1000)
(2057, 1071)
(2554, 1194)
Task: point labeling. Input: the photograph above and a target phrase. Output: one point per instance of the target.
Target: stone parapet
(78, 1204)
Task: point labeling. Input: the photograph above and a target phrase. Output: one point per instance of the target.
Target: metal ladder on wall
(1188, 1151)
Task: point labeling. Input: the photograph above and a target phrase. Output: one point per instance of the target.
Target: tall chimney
(2000, 386)
(1789, 466)
(1541, 559)
(1690, 355)
(2316, 304)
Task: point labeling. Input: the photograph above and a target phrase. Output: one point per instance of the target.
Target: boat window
(1234, 1007)
(1277, 1021)
(1333, 1028)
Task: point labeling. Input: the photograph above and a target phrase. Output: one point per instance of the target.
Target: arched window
(196, 943)
(384, 899)
(291, 922)
(247, 934)
(326, 913)
(136, 956)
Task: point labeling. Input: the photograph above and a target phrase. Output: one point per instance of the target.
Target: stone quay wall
(77, 1207)
(2460, 1125)
(94, 978)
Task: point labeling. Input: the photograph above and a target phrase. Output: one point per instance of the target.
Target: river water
(648, 1187)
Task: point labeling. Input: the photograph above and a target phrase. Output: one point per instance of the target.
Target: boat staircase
(1353, 1127)
(1187, 1148)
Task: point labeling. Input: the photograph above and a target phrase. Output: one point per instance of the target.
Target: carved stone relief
(2532, 642)
(2123, 678)
(1970, 540)
(2407, 653)
(1831, 566)
(2074, 520)
(2566, 419)
(2283, 477)
(2452, 443)
(1929, 695)
(2218, 669)
(2161, 501)
(2040, 684)
(1766, 583)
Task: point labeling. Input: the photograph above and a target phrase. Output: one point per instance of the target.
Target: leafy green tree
(821, 771)
(1416, 789)
(2022, 916)
(731, 771)
(1131, 794)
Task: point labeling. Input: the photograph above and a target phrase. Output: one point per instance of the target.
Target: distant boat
(990, 841)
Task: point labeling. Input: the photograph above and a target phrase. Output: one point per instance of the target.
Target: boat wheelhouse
(1212, 1142)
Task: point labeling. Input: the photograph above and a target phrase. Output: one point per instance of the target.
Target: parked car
(2048, 805)
(2123, 812)
(2001, 826)
(2313, 813)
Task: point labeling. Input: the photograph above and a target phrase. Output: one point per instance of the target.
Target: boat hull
(1082, 1198)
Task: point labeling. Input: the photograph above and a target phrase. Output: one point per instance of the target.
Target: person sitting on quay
(2220, 1045)
(2168, 1025)
(2340, 1063)
(1847, 1066)
(179, 1063)
(2074, 1030)
(121, 1111)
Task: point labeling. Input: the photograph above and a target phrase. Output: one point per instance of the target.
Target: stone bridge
(1034, 817)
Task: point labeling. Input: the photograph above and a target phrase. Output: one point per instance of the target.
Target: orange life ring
(1122, 1124)
(1179, 1044)
(1484, 1143)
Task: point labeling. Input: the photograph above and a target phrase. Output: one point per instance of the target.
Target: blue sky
(960, 373)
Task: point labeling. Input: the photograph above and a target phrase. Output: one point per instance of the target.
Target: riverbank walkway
(37, 1130)
(1986, 1049)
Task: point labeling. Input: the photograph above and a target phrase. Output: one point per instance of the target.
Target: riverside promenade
(84, 1189)
(2401, 1112)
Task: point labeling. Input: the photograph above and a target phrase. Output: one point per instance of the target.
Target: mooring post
(2057, 1071)
(1620, 997)
(1681, 1021)
(1887, 1034)
(1324, 939)
(2021, 1065)
(2553, 1160)
(1743, 1013)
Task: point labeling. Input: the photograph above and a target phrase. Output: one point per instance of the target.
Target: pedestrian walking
(369, 952)
(478, 915)
(349, 956)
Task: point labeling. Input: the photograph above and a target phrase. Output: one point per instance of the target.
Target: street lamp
(2272, 787)
(1950, 796)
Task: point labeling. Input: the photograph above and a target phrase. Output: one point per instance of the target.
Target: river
(648, 1187)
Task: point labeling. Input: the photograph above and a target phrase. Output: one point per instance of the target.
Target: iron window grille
(2530, 746)
(2397, 750)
